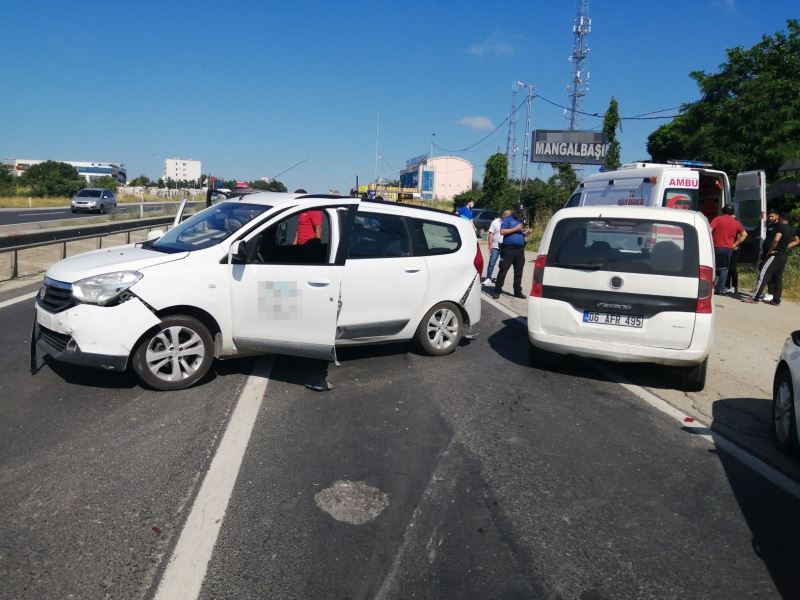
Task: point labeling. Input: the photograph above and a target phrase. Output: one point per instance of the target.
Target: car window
(293, 240)
(625, 245)
(89, 194)
(208, 227)
(376, 235)
(437, 238)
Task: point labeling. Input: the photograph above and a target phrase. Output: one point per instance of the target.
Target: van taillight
(538, 276)
(705, 289)
(478, 262)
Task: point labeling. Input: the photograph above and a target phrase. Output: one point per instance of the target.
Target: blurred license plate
(613, 319)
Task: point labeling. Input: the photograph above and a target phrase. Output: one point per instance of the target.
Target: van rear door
(750, 204)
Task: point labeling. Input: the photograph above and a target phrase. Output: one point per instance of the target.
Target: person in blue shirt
(465, 212)
(512, 251)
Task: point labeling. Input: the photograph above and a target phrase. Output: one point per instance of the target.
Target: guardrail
(13, 244)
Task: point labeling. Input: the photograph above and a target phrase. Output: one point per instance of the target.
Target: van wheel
(175, 354)
(694, 378)
(784, 418)
(440, 330)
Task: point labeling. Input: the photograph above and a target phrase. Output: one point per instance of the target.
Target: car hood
(97, 262)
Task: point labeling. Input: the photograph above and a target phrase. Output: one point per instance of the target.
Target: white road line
(5, 303)
(187, 566)
(767, 471)
(41, 213)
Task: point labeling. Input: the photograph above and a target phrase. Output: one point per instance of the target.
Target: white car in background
(626, 284)
(231, 281)
(785, 401)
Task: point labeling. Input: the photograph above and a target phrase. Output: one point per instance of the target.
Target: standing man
(494, 241)
(774, 260)
(465, 212)
(309, 227)
(512, 251)
(728, 234)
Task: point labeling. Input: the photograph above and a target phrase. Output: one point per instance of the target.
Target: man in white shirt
(494, 240)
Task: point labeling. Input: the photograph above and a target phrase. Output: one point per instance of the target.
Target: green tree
(272, 185)
(141, 180)
(611, 122)
(52, 178)
(498, 193)
(748, 116)
(106, 181)
(7, 184)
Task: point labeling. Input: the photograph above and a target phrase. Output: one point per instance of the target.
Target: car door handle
(412, 270)
(319, 282)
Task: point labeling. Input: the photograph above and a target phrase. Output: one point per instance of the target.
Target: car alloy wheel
(176, 354)
(441, 329)
(784, 420)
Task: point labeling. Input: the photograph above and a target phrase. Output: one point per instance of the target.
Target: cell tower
(580, 50)
(511, 142)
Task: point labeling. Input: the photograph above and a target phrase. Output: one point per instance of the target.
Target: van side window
(277, 244)
(436, 238)
(378, 235)
(574, 200)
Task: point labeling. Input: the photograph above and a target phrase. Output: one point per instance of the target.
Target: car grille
(55, 296)
(57, 340)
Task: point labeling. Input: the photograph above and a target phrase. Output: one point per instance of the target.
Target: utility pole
(377, 124)
(580, 50)
(511, 142)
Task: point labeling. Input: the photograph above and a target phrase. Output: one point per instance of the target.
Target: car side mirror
(237, 252)
(154, 234)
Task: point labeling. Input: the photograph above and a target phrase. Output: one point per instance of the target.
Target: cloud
(491, 48)
(477, 123)
(729, 6)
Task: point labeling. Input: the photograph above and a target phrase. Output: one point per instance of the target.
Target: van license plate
(613, 319)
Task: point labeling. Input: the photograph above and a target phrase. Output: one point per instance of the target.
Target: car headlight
(101, 289)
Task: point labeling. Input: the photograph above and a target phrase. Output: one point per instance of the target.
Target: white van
(235, 279)
(682, 184)
(625, 284)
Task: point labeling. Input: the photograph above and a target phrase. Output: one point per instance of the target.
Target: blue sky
(252, 88)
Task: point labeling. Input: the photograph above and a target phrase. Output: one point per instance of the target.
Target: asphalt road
(473, 475)
(43, 215)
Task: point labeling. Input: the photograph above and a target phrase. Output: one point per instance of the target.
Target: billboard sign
(569, 146)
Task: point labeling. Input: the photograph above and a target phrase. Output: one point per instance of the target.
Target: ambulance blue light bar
(690, 163)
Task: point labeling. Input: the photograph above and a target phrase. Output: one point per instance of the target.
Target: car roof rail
(390, 203)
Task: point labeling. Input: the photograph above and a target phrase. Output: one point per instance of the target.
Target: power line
(487, 136)
(599, 116)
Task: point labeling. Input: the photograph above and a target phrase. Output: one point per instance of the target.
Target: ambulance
(684, 184)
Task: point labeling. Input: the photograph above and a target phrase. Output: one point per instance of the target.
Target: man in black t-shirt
(773, 262)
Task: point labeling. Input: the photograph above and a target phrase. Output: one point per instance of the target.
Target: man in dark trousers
(776, 251)
(512, 251)
(728, 234)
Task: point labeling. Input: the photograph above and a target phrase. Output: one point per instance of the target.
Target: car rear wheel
(174, 355)
(784, 419)
(694, 378)
(440, 330)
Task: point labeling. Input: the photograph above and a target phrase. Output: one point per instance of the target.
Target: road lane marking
(689, 423)
(11, 301)
(61, 212)
(186, 570)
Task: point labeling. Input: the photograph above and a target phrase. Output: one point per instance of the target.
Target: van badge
(616, 282)
(614, 306)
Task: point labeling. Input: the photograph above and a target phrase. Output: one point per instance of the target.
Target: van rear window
(625, 246)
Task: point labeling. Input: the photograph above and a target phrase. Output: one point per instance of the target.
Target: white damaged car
(290, 274)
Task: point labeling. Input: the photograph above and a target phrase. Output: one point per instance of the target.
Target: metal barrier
(13, 244)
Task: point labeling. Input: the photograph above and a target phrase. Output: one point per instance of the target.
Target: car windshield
(88, 193)
(208, 227)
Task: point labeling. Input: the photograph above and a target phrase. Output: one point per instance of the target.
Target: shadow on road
(511, 342)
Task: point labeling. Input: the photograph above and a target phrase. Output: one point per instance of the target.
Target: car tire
(160, 365)
(440, 330)
(102, 209)
(694, 378)
(784, 418)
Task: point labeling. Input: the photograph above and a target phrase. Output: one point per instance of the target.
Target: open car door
(285, 295)
(750, 204)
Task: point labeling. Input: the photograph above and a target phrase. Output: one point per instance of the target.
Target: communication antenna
(511, 142)
(580, 50)
(526, 158)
